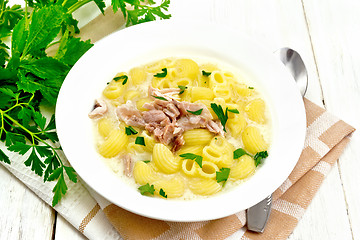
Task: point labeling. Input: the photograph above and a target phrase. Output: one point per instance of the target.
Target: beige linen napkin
(91, 214)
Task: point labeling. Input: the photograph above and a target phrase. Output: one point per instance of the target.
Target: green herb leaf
(182, 89)
(146, 161)
(206, 74)
(260, 156)
(160, 98)
(197, 158)
(239, 152)
(130, 130)
(233, 110)
(36, 164)
(122, 77)
(162, 74)
(223, 175)
(71, 173)
(223, 117)
(162, 193)
(59, 190)
(250, 87)
(198, 112)
(3, 157)
(147, 189)
(140, 141)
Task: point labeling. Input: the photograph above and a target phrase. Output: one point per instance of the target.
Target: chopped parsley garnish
(198, 112)
(162, 74)
(251, 87)
(162, 193)
(130, 131)
(160, 98)
(223, 175)
(144, 189)
(260, 156)
(206, 74)
(146, 161)
(239, 152)
(257, 158)
(122, 77)
(182, 89)
(140, 141)
(223, 117)
(198, 159)
(233, 110)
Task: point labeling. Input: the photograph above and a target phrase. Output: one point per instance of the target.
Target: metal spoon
(258, 215)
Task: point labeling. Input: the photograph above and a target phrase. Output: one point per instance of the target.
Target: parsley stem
(77, 5)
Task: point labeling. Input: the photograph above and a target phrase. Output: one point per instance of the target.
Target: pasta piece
(135, 148)
(144, 173)
(140, 103)
(242, 168)
(255, 110)
(222, 91)
(204, 186)
(164, 159)
(219, 152)
(208, 170)
(105, 125)
(197, 136)
(114, 89)
(130, 95)
(253, 140)
(236, 124)
(137, 75)
(157, 67)
(173, 188)
(186, 68)
(241, 90)
(201, 93)
(189, 167)
(216, 79)
(149, 142)
(195, 149)
(114, 143)
(181, 82)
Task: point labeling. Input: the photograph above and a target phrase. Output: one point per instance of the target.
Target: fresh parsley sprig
(258, 157)
(32, 71)
(197, 158)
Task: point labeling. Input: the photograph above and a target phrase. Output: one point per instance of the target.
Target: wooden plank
(334, 27)
(23, 215)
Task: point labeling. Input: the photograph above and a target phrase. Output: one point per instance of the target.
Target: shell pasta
(182, 128)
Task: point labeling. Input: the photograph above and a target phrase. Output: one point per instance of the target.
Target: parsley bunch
(30, 78)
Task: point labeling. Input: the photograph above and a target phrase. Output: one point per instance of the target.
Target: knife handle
(258, 215)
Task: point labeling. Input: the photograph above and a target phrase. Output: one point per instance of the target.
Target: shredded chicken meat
(99, 109)
(168, 119)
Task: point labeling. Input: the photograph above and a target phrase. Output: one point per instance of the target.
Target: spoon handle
(258, 215)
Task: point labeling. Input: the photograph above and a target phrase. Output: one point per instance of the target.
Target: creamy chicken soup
(178, 128)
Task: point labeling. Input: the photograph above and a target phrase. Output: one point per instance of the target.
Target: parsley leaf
(223, 117)
(162, 74)
(198, 159)
(239, 152)
(206, 74)
(162, 193)
(182, 89)
(260, 156)
(198, 112)
(122, 77)
(223, 175)
(3, 157)
(147, 189)
(146, 161)
(130, 130)
(233, 110)
(140, 141)
(160, 98)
